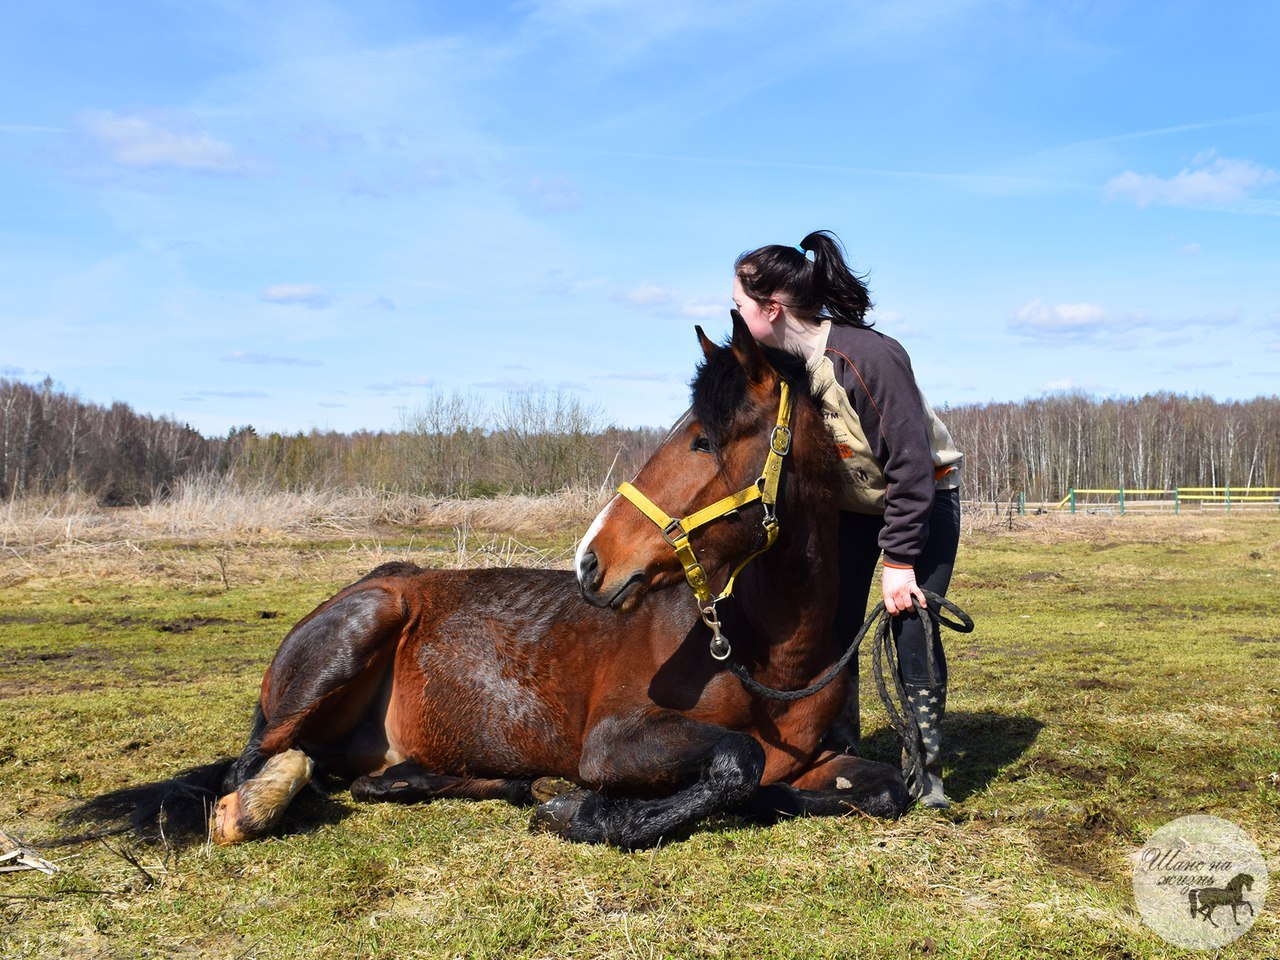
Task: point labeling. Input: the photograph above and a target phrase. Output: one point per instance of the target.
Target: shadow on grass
(175, 812)
(319, 805)
(976, 747)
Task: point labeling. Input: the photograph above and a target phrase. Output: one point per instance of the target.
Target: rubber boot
(928, 706)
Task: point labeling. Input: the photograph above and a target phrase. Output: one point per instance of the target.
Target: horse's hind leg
(319, 688)
(409, 783)
(257, 804)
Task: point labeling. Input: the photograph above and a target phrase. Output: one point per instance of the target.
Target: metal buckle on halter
(780, 440)
(671, 532)
(720, 648)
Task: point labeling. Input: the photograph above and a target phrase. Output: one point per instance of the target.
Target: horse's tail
(174, 811)
(1193, 898)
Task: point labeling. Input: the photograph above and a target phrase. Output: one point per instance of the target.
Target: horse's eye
(701, 445)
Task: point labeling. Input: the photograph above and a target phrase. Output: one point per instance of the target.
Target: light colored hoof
(548, 788)
(258, 804)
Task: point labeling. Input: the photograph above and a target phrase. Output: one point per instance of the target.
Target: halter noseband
(676, 532)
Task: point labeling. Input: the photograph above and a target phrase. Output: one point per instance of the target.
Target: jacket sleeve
(882, 389)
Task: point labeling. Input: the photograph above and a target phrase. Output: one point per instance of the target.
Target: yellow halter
(676, 532)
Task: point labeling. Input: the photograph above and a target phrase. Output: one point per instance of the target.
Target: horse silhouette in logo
(1204, 900)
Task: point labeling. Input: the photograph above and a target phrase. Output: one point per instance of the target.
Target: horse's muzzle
(598, 593)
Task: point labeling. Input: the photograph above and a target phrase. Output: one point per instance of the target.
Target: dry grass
(1061, 527)
(207, 509)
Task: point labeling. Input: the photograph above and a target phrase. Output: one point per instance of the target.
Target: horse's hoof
(556, 815)
(257, 804)
(224, 825)
(548, 788)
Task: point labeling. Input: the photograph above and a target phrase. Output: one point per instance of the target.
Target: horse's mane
(719, 386)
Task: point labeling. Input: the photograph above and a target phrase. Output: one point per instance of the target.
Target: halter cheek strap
(676, 532)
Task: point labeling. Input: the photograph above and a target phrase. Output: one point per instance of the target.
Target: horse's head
(705, 494)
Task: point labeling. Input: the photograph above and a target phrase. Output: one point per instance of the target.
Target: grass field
(1125, 671)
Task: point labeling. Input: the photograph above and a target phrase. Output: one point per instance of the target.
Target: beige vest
(862, 487)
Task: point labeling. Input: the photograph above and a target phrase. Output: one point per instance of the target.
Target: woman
(899, 469)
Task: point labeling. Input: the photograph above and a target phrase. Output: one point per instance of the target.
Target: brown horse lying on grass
(612, 715)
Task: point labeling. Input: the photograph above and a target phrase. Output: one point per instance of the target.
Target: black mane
(719, 386)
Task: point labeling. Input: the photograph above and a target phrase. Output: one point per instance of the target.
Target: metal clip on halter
(780, 440)
(720, 648)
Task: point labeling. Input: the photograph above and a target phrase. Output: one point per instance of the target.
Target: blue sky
(299, 215)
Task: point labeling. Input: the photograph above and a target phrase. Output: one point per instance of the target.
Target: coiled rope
(884, 651)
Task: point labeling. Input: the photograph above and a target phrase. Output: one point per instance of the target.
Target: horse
(1204, 900)
(615, 718)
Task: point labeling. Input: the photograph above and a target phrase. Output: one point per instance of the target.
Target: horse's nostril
(588, 567)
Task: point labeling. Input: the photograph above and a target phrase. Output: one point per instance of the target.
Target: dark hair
(825, 287)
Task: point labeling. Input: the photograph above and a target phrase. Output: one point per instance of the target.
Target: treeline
(1043, 447)
(452, 446)
(51, 442)
(456, 446)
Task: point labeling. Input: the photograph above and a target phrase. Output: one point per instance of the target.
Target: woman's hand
(899, 586)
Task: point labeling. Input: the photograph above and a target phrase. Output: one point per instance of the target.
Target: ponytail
(824, 288)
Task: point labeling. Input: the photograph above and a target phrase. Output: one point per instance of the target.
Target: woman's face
(760, 318)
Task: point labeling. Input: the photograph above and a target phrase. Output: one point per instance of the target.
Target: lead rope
(883, 651)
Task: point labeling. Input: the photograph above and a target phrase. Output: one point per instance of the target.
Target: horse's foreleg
(709, 767)
(834, 785)
(257, 804)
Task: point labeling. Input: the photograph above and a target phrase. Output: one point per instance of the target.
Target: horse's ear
(747, 350)
(708, 348)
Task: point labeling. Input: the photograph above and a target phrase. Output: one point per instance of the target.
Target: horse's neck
(789, 601)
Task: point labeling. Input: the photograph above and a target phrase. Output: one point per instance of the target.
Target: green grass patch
(1124, 672)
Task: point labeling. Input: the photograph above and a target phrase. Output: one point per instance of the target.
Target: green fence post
(1022, 503)
(1228, 489)
(1122, 501)
(1175, 500)
(1072, 492)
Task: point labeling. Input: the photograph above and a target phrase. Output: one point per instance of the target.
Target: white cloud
(240, 356)
(1060, 386)
(226, 394)
(1062, 320)
(382, 185)
(553, 194)
(1191, 365)
(705, 309)
(1189, 250)
(300, 294)
(1212, 181)
(1089, 323)
(895, 323)
(638, 376)
(647, 296)
(402, 383)
(140, 143)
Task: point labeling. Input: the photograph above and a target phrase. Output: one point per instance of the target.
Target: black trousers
(859, 554)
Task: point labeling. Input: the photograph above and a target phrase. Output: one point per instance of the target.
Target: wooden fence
(1123, 500)
(1133, 500)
